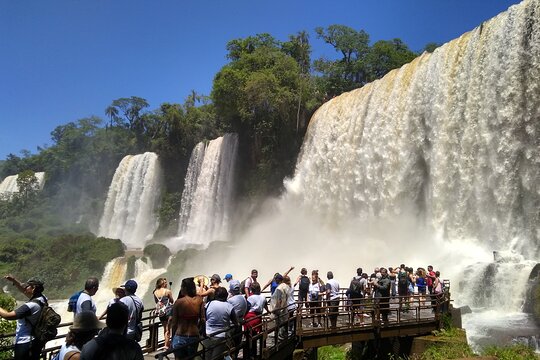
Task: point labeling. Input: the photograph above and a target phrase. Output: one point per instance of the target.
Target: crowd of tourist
(205, 308)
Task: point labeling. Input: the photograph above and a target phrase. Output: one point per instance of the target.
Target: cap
(278, 277)
(33, 282)
(228, 277)
(130, 285)
(86, 321)
(234, 285)
(216, 278)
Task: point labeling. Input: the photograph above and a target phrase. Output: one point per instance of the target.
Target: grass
(512, 352)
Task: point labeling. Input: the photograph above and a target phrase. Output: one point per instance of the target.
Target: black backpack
(402, 278)
(355, 288)
(304, 283)
(45, 329)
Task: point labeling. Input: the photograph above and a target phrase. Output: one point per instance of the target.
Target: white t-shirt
(218, 317)
(239, 304)
(256, 303)
(333, 286)
(83, 298)
(65, 349)
(314, 290)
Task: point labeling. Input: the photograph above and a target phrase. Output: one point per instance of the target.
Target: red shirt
(429, 278)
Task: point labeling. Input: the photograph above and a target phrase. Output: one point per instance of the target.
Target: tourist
(26, 346)
(315, 297)
(85, 301)
(135, 307)
(382, 294)
(279, 303)
(291, 303)
(303, 286)
(430, 277)
(164, 299)
(219, 317)
(253, 325)
(228, 277)
(250, 280)
(356, 293)
(111, 344)
(186, 318)
(240, 305)
(273, 283)
(332, 295)
(119, 293)
(85, 327)
(403, 287)
(411, 283)
(392, 275)
(210, 292)
(421, 283)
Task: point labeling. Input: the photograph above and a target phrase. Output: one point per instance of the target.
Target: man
(356, 293)
(240, 306)
(250, 280)
(85, 301)
(332, 295)
(210, 293)
(111, 342)
(279, 302)
(27, 316)
(228, 277)
(430, 280)
(382, 294)
(135, 308)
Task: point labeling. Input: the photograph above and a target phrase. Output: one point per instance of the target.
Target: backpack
(163, 308)
(304, 283)
(72, 302)
(243, 286)
(355, 288)
(402, 278)
(45, 328)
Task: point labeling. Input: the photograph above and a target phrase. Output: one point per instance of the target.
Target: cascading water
(453, 138)
(134, 195)
(208, 191)
(9, 185)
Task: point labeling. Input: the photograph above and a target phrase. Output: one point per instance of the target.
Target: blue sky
(68, 59)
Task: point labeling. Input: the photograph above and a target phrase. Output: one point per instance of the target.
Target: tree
(384, 56)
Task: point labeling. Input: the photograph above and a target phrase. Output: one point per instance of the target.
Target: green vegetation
(266, 93)
(8, 303)
(337, 352)
(158, 254)
(513, 352)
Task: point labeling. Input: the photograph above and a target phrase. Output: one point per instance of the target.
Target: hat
(130, 285)
(86, 321)
(228, 277)
(234, 285)
(115, 289)
(201, 278)
(33, 282)
(216, 278)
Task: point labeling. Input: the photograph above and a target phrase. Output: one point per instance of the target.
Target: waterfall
(134, 195)
(8, 186)
(145, 276)
(453, 138)
(208, 191)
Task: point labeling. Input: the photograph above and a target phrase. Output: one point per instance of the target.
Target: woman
(210, 292)
(184, 323)
(421, 283)
(316, 288)
(164, 300)
(85, 327)
(119, 293)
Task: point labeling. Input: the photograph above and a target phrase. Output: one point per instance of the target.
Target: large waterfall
(130, 210)
(453, 137)
(208, 191)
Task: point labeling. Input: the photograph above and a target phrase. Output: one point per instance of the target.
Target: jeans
(187, 346)
(28, 351)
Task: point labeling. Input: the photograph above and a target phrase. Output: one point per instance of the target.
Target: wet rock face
(532, 303)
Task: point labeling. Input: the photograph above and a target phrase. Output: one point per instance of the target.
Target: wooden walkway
(304, 328)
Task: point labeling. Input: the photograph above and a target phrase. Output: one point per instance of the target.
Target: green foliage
(336, 352)
(453, 350)
(158, 254)
(513, 352)
(168, 213)
(8, 303)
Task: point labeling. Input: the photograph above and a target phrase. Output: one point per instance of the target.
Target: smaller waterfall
(145, 275)
(9, 185)
(496, 292)
(208, 193)
(134, 195)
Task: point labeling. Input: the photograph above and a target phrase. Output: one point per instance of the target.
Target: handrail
(257, 340)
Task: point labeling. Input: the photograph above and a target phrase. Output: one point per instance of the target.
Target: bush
(513, 352)
(8, 303)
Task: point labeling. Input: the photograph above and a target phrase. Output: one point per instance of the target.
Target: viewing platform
(278, 338)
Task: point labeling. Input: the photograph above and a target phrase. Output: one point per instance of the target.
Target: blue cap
(234, 285)
(131, 285)
(228, 277)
